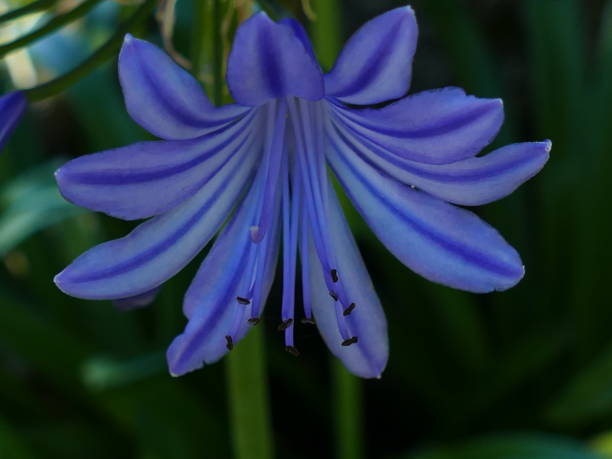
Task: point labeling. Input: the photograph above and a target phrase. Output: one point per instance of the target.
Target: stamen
(285, 325)
(254, 320)
(308, 126)
(242, 300)
(291, 214)
(229, 342)
(292, 350)
(305, 259)
(306, 321)
(307, 176)
(265, 262)
(341, 321)
(348, 342)
(348, 310)
(273, 157)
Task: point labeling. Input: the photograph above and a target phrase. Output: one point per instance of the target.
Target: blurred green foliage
(525, 374)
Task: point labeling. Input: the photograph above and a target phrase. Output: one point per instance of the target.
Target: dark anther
(306, 321)
(254, 320)
(292, 350)
(348, 342)
(348, 310)
(230, 342)
(334, 275)
(244, 301)
(333, 295)
(285, 325)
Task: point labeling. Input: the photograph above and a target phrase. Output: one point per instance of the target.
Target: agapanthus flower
(12, 107)
(257, 172)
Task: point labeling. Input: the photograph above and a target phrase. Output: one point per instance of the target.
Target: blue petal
(368, 357)
(164, 98)
(210, 303)
(12, 106)
(435, 127)
(138, 301)
(301, 34)
(443, 243)
(473, 181)
(376, 63)
(148, 178)
(269, 61)
(160, 247)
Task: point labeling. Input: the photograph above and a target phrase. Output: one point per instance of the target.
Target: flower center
(293, 173)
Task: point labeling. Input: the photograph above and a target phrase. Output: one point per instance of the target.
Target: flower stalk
(104, 53)
(348, 406)
(346, 389)
(248, 399)
(53, 24)
(33, 7)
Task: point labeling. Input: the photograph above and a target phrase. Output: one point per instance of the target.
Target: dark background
(522, 374)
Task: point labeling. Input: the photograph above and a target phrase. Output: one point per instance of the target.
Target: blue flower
(12, 107)
(256, 173)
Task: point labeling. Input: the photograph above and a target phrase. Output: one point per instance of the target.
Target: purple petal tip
(58, 281)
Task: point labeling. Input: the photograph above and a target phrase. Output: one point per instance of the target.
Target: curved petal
(368, 357)
(269, 61)
(164, 98)
(443, 243)
(149, 178)
(471, 182)
(301, 34)
(210, 303)
(138, 301)
(376, 63)
(12, 106)
(160, 247)
(435, 127)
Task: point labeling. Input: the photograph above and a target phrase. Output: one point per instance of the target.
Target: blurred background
(521, 374)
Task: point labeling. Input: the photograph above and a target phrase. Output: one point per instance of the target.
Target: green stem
(248, 398)
(33, 7)
(347, 390)
(348, 408)
(272, 9)
(58, 21)
(217, 52)
(103, 53)
(326, 31)
(247, 380)
(200, 45)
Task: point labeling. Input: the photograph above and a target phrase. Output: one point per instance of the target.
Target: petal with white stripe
(439, 241)
(368, 357)
(269, 61)
(211, 301)
(163, 97)
(376, 63)
(434, 127)
(149, 178)
(473, 181)
(160, 247)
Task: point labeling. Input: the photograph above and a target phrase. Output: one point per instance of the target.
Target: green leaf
(587, 396)
(30, 203)
(40, 341)
(514, 446)
(102, 373)
(13, 445)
